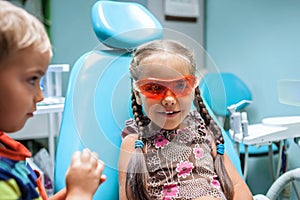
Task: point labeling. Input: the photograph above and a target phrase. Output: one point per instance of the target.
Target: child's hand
(84, 175)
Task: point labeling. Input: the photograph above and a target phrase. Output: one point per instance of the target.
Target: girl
(174, 153)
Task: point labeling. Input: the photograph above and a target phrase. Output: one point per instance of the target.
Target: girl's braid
(141, 120)
(136, 110)
(198, 102)
(136, 179)
(224, 178)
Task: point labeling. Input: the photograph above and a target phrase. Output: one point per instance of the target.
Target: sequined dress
(180, 162)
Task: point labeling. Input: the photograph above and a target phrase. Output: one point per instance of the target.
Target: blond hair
(20, 30)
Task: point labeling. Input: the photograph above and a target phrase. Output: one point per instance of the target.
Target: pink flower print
(160, 141)
(198, 152)
(184, 168)
(170, 190)
(215, 182)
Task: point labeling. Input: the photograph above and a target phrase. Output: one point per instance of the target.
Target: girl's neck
(154, 127)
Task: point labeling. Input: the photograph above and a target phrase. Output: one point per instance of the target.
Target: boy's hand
(84, 175)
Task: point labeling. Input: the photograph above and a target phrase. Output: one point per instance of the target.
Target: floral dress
(180, 162)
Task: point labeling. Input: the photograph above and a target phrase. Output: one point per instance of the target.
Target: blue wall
(72, 32)
(260, 42)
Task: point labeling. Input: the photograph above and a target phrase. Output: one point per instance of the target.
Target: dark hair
(219, 162)
(136, 179)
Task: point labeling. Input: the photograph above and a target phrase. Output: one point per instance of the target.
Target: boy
(25, 53)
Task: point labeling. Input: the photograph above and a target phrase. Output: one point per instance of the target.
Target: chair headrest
(124, 25)
(221, 89)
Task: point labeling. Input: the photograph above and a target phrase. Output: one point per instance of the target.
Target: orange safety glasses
(157, 88)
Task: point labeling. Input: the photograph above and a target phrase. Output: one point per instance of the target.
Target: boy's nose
(39, 96)
(169, 99)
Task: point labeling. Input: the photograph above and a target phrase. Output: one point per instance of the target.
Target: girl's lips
(30, 114)
(169, 113)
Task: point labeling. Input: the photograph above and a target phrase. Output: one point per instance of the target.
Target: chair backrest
(98, 92)
(221, 90)
(98, 95)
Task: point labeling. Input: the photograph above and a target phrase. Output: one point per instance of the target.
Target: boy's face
(20, 87)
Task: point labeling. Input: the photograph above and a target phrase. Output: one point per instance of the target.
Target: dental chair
(98, 94)
(222, 89)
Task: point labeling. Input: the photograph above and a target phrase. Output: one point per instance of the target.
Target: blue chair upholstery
(98, 94)
(222, 90)
(124, 25)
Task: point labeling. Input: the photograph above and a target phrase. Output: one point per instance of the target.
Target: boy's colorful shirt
(17, 179)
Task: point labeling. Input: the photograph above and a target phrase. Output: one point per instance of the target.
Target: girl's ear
(193, 94)
(137, 97)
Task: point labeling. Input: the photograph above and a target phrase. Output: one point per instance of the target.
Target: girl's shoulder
(195, 117)
(199, 124)
(129, 135)
(130, 128)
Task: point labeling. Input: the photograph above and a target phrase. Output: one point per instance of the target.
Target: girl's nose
(39, 96)
(169, 99)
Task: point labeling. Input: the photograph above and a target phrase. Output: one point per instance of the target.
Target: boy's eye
(33, 80)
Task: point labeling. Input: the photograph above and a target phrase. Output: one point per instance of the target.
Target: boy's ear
(137, 97)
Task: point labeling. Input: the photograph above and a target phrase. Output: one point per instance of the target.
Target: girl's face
(170, 109)
(20, 87)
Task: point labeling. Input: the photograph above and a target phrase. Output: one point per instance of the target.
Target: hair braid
(219, 163)
(136, 180)
(137, 111)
